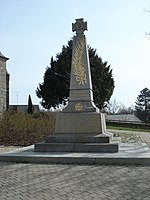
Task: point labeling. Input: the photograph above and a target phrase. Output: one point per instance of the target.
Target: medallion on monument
(78, 64)
(78, 107)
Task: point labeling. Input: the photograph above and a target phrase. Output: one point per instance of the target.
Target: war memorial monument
(80, 127)
(80, 133)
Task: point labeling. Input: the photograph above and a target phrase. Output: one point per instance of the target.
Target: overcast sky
(31, 31)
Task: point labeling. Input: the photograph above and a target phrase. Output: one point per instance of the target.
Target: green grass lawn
(128, 129)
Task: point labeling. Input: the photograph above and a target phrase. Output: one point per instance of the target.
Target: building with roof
(4, 85)
(123, 118)
(23, 108)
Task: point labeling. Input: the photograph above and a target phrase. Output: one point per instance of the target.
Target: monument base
(82, 143)
(86, 122)
(79, 132)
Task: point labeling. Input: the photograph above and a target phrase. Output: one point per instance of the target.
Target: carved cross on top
(80, 26)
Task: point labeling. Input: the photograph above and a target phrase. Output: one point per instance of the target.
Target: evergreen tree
(55, 88)
(142, 108)
(30, 106)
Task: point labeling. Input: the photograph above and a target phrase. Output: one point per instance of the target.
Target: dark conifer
(142, 108)
(55, 88)
(30, 106)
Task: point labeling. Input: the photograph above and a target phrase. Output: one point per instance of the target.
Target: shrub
(22, 129)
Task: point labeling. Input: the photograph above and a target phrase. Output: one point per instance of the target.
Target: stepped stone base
(78, 138)
(79, 132)
(78, 143)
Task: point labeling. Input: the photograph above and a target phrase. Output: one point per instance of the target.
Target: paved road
(61, 182)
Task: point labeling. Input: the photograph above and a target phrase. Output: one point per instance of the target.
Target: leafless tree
(112, 107)
(124, 110)
(147, 34)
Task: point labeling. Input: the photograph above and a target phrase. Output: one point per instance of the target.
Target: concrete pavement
(73, 182)
(129, 154)
(21, 181)
(145, 137)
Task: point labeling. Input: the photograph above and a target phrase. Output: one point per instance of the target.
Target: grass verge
(127, 129)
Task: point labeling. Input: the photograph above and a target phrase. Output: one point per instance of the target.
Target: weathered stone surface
(77, 147)
(81, 93)
(4, 87)
(80, 138)
(80, 127)
(91, 122)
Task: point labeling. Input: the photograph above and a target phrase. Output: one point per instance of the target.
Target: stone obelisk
(81, 115)
(80, 127)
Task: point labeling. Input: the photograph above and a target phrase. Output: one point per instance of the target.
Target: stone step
(116, 139)
(77, 147)
(78, 138)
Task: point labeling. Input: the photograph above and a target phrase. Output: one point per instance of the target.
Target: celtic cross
(80, 26)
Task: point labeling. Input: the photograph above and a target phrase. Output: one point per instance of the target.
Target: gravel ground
(127, 136)
(7, 148)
